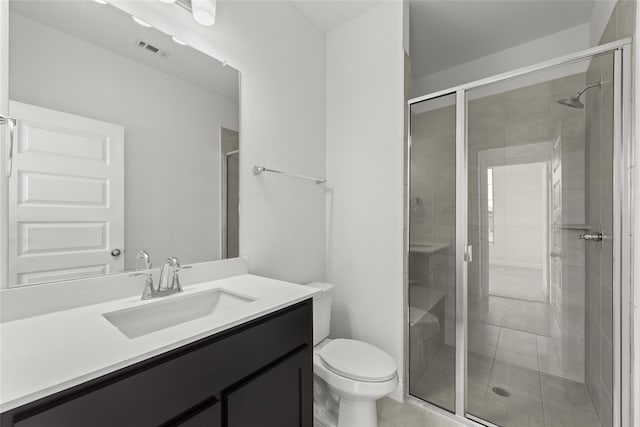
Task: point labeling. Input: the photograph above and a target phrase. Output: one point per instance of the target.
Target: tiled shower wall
(599, 205)
(517, 117)
(433, 194)
(530, 115)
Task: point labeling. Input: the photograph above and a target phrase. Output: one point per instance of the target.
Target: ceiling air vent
(152, 49)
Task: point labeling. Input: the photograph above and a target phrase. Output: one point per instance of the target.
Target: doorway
(515, 216)
(230, 200)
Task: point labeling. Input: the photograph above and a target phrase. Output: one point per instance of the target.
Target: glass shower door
(517, 270)
(432, 279)
(539, 289)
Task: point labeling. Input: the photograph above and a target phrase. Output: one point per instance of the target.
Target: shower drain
(500, 391)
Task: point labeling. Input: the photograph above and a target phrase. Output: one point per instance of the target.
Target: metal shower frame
(622, 209)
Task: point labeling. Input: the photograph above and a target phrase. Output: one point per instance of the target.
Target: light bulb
(141, 22)
(204, 11)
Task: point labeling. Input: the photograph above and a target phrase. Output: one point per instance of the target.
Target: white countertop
(45, 354)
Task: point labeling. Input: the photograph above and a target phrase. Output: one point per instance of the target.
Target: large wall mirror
(126, 140)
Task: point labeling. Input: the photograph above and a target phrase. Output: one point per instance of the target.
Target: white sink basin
(173, 310)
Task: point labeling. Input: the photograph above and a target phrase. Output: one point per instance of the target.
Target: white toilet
(349, 375)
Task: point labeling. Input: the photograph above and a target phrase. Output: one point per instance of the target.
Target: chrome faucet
(169, 282)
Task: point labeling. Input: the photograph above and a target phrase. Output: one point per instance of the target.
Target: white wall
(542, 49)
(602, 10)
(282, 124)
(364, 168)
(172, 172)
(519, 231)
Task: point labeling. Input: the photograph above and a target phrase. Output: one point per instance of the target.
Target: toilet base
(360, 413)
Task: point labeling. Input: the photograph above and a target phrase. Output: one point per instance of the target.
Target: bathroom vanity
(78, 345)
(247, 365)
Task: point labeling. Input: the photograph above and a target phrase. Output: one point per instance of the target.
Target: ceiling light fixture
(141, 22)
(204, 11)
(168, 1)
(180, 42)
(100, 1)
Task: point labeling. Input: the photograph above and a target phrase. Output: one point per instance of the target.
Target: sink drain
(500, 391)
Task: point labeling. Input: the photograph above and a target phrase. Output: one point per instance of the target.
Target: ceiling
(449, 33)
(446, 33)
(329, 14)
(114, 30)
(443, 33)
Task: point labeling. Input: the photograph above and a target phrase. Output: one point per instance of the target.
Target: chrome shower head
(574, 101)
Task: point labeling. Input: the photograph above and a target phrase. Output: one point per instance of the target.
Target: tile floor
(514, 345)
(529, 316)
(519, 332)
(550, 355)
(395, 414)
(535, 398)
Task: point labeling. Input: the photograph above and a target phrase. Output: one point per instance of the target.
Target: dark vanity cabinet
(257, 374)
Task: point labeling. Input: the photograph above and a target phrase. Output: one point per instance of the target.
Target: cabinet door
(163, 391)
(206, 417)
(279, 396)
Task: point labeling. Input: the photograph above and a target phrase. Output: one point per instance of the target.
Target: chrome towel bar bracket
(257, 170)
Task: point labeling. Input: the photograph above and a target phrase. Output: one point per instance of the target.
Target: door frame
(622, 211)
(4, 143)
(540, 152)
(229, 145)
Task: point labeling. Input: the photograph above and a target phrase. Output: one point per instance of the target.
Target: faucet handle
(149, 290)
(175, 264)
(176, 267)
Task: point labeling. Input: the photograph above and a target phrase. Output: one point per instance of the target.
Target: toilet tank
(321, 311)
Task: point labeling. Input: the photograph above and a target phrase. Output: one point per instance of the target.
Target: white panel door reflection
(66, 197)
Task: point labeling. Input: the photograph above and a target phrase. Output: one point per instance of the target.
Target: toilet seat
(357, 360)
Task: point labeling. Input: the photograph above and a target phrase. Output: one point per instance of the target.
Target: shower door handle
(591, 237)
(468, 253)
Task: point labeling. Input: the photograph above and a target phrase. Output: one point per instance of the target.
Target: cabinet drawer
(158, 390)
(279, 396)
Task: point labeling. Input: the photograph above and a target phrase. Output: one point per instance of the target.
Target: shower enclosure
(517, 265)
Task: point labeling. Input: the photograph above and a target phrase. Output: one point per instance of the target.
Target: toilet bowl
(348, 374)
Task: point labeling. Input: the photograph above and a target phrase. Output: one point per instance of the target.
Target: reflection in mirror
(119, 145)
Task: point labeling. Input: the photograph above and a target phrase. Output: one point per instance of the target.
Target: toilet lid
(358, 360)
